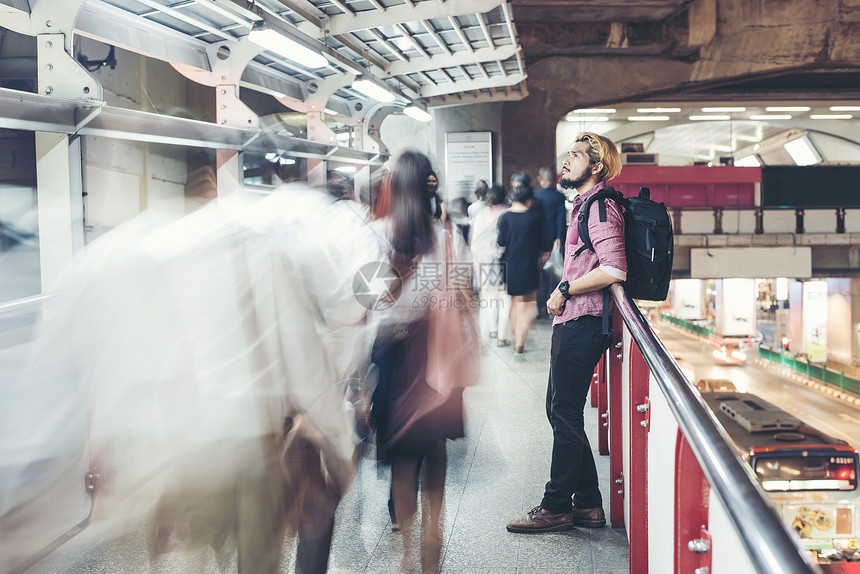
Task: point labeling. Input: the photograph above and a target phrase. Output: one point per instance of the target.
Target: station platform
(496, 473)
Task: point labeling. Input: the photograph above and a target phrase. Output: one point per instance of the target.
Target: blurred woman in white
(415, 413)
(495, 301)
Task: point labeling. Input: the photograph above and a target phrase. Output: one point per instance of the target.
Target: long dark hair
(405, 199)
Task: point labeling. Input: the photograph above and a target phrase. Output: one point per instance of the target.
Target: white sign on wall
(468, 158)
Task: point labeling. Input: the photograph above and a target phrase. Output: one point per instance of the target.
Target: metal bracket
(91, 480)
(231, 110)
(62, 76)
(370, 124)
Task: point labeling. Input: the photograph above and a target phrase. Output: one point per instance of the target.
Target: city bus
(809, 477)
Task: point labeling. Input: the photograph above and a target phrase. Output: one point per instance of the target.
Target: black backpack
(648, 241)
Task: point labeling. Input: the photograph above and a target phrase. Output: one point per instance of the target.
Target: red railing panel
(692, 493)
(616, 428)
(637, 479)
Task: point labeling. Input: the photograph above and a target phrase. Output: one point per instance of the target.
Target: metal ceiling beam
(460, 33)
(486, 30)
(116, 27)
(439, 41)
(176, 13)
(474, 98)
(451, 60)
(389, 46)
(415, 43)
(346, 9)
(342, 23)
(466, 85)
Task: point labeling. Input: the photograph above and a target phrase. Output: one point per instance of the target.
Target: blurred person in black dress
(523, 235)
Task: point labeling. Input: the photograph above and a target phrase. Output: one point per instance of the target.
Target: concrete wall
(401, 132)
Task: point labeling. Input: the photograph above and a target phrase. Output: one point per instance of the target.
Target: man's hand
(555, 303)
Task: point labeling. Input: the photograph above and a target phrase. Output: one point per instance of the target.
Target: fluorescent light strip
(570, 118)
(276, 42)
(845, 108)
(594, 111)
(373, 91)
(710, 118)
(802, 152)
(770, 117)
(722, 110)
(417, 113)
(648, 118)
(787, 109)
(657, 110)
(831, 116)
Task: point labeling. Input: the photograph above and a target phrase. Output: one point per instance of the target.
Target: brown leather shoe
(539, 519)
(589, 517)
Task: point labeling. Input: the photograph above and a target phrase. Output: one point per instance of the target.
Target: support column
(60, 204)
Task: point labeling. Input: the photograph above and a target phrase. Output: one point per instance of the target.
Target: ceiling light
(802, 152)
(571, 118)
(748, 161)
(710, 118)
(722, 110)
(417, 113)
(372, 90)
(276, 42)
(329, 112)
(787, 109)
(657, 110)
(845, 108)
(286, 161)
(648, 118)
(345, 169)
(594, 111)
(770, 117)
(831, 116)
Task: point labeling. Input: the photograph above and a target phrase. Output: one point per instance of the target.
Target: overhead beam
(475, 84)
(452, 60)
(116, 27)
(343, 23)
(474, 98)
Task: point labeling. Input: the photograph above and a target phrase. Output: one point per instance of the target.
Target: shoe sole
(527, 530)
(590, 523)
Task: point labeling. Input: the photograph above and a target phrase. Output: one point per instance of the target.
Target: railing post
(637, 479)
(616, 428)
(692, 549)
(602, 408)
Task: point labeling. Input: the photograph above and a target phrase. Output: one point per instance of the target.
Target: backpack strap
(585, 210)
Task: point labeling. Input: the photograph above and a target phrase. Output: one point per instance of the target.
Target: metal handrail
(771, 546)
(28, 304)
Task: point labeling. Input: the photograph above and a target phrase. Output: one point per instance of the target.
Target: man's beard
(573, 183)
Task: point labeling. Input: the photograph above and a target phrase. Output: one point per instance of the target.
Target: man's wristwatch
(563, 288)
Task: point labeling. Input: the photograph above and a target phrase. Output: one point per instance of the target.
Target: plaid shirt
(608, 255)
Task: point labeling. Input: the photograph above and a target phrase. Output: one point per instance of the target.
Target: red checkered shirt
(608, 255)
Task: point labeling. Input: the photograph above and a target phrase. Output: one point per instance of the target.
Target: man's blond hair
(601, 149)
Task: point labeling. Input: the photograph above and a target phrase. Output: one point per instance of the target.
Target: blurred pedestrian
(553, 203)
(486, 253)
(522, 234)
(415, 415)
(481, 189)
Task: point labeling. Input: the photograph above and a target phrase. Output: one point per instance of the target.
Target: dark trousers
(576, 349)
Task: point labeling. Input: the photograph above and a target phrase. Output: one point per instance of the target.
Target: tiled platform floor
(496, 473)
